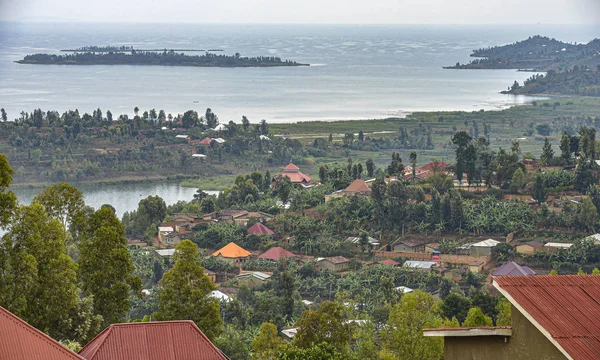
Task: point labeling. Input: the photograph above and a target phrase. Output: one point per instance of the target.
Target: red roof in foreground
(566, 307)
(276, 253)
(293, 172)
(389, 262)
(432, 165)
(205, 141)
(159, 340)
(358, 186)
(291, 167)
(260, 229)
(21, 341)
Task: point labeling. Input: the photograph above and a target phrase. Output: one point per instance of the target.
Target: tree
(588, 214)
(539, 190)
(136, 110)
(8, 200)
(151, 210)
(245, 123)
(183, 292)
(403, 336)
(38, 280)
(63, 202)
(208, 205)
(455, 305)
(476, 317)
(518, 180)
(283, 187)
(413, 162)
(324, 325)
(323, 351)
(565, 147)
(190, 119)
(267, 344)
(547, 152)
(105, 266)
(370, 167)
(323, 174)
(212, 120)
(396, 167)
(504, 309)
(3, 115)
(461, 140)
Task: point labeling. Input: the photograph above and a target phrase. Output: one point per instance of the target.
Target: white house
(416, 264)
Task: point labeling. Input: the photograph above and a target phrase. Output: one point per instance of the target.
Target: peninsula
(165, 58)
(537, 53)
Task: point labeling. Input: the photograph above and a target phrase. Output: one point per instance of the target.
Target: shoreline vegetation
(164, 58)
(537, 53)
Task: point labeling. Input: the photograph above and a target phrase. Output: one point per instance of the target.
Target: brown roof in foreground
(260, 229)
(159, 340)
(358, 186)
(389, 262)
(337, 259)
(232, 250)
(564, 308)
(21, 341)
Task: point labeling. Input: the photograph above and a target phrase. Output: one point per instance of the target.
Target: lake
(123, 197)
(358, 72)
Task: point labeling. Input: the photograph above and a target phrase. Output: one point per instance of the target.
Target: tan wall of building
(526, 249)
(526, 343)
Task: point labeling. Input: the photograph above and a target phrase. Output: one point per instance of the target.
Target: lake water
(358, 72)
(123, 197)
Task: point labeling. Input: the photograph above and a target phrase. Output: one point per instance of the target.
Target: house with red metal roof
(294, 174)
(260, 229)
(358, 187)
(157, 340)
(276, 253)
(21, 341)
(553, 317)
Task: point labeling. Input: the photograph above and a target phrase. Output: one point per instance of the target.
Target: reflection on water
(123, 197)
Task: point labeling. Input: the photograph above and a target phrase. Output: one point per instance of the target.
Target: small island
(101, 49)
(165, 58)
(538, 53)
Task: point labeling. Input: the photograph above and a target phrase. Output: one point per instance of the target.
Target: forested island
(168, 58)
(109, 48)
(537, 53)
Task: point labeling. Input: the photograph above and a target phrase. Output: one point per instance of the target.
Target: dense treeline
(171, 58)
(538, 53)
(578, 81)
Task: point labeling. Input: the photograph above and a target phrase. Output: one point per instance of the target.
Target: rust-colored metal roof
(275, 253)
(232, 250)
(291, 167)
(389, 262)
(337, 259)
(205, 141)
(566, 307)
(260, 229)
(358, 186)
(160, 340)
(21, 341)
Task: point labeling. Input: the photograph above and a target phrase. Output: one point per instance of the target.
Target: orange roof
(21, 341)
(358, 186)
(291, 167)
(158, 340)
(205, 141)
(565, 309)
(232, 250)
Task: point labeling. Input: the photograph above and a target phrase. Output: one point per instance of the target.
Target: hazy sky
(309, 11)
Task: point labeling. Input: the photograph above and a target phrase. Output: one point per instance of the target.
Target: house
(529, 248)
(276, 253)
(211, 274)
(205, 142)
(199, 156)
(232, 253)
(373, 243)
(182, 137)
(260, 229)
(294, 174)
(240, 217)
(420, 265)
(156, 340)
(172, 239)
(483, 248)
(335, 263)
(409, 245)
(289, 333)
(476, 266)
(220, 127)
(222, 297)
(219, 141)
(358, 187)
(264, 137)
(21, 341)
(163, 231)
(404, 289)
(556, 247)
(596, 237)
(513, 269)
(252, 279)
(553, 317)
(165, 252)
(388, 262)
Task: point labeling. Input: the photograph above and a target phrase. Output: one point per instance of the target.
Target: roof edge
(469, 331)
(528, 316)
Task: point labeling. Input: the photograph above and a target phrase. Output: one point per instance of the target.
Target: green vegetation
(170, 58)
(537, 53)
(578, 81)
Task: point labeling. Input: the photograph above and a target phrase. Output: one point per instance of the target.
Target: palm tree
(136, 110)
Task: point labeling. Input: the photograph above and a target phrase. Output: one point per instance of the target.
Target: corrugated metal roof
(232, 250)
(513, 269)
(358, 186)
(21, 341)
(160, 340)
(275, 253)
(486, 243)
(419, 264)
(567, 307)
(260, 229)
